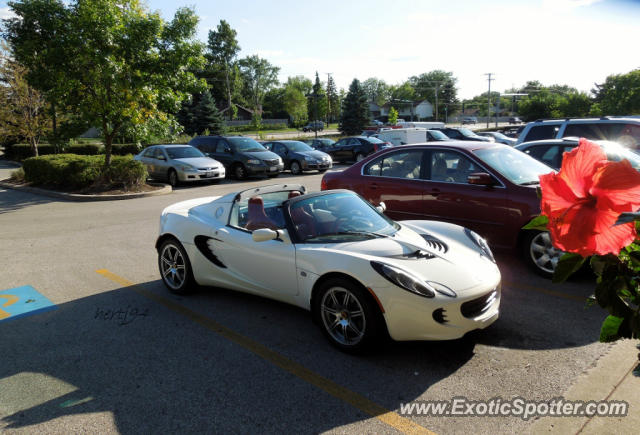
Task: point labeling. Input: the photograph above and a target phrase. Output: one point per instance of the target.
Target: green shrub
(21, 151)
(124, 149)
(72, 171)
(17, 175)
(86, 149)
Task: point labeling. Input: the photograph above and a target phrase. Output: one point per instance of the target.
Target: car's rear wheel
(173, 177)
(540, 254)
(175, 268)
(296, 169)
(359, 157)
(347, 316)
(239, 171)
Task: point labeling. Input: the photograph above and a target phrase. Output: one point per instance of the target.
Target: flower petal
(557, 197)
(579, 165)
(616, 185)
(613, 240)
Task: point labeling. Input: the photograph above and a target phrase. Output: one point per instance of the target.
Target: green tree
(317, 106)
(222, 50)
(23, 111)
(120, 64)
(436, 82)
(333, 100)
(393, 116)
(575, 105)
(377, 90)
(259, 76)
(355, 110)
(295, 104)
(619, 94)
(207, 116)
(543, 104)
(403, 91)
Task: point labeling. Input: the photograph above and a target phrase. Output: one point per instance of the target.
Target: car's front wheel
(173, 177)
(296, 169)
(175, 268)
(347, 316)
(540, 254)
(239, 171)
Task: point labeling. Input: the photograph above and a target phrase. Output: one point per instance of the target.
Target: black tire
(215, 181)
(273, 175)
(172, 258)
(539, 254)
(359, 157)
(322, 171)
(239, 171)
(172, 177)
(296, 168)
(359, 333)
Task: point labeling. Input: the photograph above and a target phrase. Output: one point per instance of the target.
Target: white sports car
(360, 274)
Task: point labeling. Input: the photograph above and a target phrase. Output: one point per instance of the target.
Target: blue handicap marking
(22, 301)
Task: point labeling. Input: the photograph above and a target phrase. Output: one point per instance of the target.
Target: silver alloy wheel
(343, 316)
(359, 157)
(544, 255)
(172, 266)
(295, 168)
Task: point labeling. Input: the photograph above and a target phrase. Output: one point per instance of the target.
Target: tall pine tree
(355, 110)
(333, 100)
(207, 116)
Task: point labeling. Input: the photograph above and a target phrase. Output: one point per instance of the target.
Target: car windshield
(183, 152)
(616, 152)
(338, 217)
(466, 132)
(516, 166)
(498, 135)
(438, 135)
(326, 141)
(244, 144)
(297, 146)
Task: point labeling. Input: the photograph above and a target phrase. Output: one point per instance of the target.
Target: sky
(572, 42)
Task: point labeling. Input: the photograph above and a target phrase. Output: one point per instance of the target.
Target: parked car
(242, 156)
(180, 163)
(314, 126)
(298, 156)
(515, 120)
(320, 144)
(377, 123)
(497, 137)
(436, 136)
(462, 133)
(361, 275)
(355, 148)
(550, 151)
(487, 187)
(625, 131)
(469, 120)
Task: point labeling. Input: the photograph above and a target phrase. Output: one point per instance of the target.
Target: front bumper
(321, 166)
(201, 175)
(412, 317)
(264, 169)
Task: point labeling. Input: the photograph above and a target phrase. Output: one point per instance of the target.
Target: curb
(166, 189)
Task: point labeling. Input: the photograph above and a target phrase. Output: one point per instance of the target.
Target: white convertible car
(360, 274)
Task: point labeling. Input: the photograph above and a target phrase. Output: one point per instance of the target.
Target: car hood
(199, 162)
(455, 260)
(315, 154)
(262, 155)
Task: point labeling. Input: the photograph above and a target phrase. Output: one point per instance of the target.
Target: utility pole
(489, 97)
(437, 86)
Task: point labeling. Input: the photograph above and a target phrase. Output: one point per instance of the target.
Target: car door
(395, 179)
(335, 150)
(224, 153)
(147, 158)
(263, 267)
(448, 196)
(283, 152)
(160, 163)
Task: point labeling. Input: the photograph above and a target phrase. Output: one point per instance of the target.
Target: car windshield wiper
(349, 233)
(529, 183)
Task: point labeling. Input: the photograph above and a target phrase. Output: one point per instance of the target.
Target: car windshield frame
(381, 225)
(517, 160)
(245, 144)
(466, 132)
(183, 153)
(375, 140)
(438, 135)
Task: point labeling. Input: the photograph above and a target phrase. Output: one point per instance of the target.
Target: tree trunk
(34, 146)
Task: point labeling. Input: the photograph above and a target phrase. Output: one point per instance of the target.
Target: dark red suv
(487, 187)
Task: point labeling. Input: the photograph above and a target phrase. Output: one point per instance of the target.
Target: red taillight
(323, 184)
(375, 147)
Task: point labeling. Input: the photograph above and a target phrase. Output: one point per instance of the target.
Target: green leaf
(609, 329)
(625, 218)
(537, 223)
(635, 258)
(567, 265)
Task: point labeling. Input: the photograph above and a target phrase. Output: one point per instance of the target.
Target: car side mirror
(264, 235)
(480, 179)
(381, 207)
(227, 150)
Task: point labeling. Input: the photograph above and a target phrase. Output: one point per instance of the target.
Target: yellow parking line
(545, 291)
(362, 403)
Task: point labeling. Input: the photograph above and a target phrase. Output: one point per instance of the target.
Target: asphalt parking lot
(115, 352)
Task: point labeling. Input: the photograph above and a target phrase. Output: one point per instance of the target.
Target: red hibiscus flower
(583, 201)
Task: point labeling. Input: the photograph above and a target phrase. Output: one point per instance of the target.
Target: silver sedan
(180, 163)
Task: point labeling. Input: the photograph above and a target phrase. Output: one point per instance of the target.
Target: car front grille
(208, 169)
(478, 306)
(271, 162)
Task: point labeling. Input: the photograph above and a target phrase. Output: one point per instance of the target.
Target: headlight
(279, 160)
(402, 279)
(185, 167)
(480, 243)
(309, 159)
(253, 162)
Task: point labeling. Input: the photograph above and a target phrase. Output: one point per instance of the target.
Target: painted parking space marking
(358, 401)
(22, 301)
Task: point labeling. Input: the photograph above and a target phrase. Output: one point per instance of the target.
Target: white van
(403, 136)
(421, 124)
